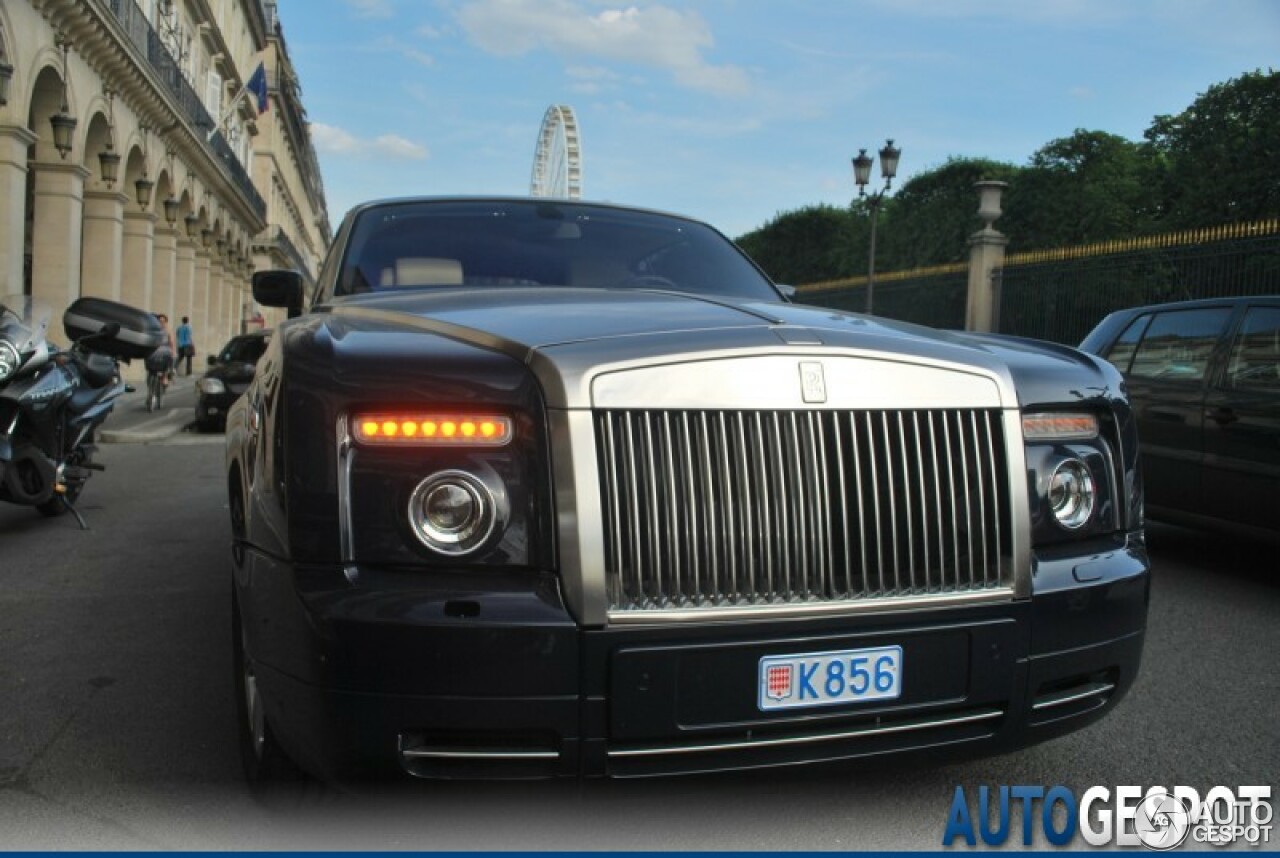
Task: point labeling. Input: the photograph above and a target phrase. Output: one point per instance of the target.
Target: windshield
(244, 350)
(23, 322)
(480, 243)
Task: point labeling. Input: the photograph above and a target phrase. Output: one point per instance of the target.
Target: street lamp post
(862, 175)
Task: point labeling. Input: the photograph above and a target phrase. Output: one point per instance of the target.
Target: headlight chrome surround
(9, 359)
(1072, 494)
(455, 513)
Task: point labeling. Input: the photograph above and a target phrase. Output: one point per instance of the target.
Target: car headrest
(423, 271)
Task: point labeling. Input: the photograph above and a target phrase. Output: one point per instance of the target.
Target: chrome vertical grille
(709, 509)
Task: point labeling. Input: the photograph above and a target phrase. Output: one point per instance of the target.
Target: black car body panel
(1204, 381)
(617, 620)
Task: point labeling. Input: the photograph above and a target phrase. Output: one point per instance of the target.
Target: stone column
(102, 265)
(56, 233)
(218, 301)
(201, 303)
(14, 141)
(184, 257)
(141, 246)
(986, 257)
(164, 274)
(167, 265)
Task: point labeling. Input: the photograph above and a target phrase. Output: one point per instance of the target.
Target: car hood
(571, 337)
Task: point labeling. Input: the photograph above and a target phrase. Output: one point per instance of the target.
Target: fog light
(1071, 494)
(453, 512)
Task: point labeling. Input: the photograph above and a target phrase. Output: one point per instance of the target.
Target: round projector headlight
(1071, 494)
(453, 512)
(8, 360)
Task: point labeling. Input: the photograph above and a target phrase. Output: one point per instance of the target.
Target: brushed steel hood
(644, 349)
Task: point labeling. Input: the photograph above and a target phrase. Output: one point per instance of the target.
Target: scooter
(52, 401)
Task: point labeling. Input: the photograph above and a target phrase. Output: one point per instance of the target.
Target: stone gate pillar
(986, 256)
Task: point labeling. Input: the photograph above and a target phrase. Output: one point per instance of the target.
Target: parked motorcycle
(52, 401)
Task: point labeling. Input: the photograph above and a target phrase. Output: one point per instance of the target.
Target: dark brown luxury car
(1204, 383)
(546, 488)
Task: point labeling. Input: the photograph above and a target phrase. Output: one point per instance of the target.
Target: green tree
(1213, 163)
(927, 221)
(802, 246)
(1217, 160)
(1091, 186)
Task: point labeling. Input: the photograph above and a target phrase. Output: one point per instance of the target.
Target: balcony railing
(294, 117)
(190, 107)
(290, 251)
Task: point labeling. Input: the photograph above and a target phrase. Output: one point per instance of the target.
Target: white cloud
(371, 8)
(656, 36)
(404, 49)
(338, 141)
(591, 80)
(420, 57)
(395, 146)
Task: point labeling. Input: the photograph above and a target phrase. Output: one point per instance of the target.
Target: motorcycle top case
(139, 335)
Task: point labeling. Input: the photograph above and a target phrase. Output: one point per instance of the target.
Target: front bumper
(213, 408)
(430, 674)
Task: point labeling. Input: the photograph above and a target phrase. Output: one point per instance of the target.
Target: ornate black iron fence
(926, 296)
(1061, 294)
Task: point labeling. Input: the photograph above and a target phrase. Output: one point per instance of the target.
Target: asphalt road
(117, 728)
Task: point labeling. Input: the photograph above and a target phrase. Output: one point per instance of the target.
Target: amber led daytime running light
(432, 429)
(1059, 427)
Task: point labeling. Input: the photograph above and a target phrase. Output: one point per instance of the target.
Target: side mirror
(279, 288)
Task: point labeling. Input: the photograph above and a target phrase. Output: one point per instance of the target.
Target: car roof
(1199, 302)
(396, 201)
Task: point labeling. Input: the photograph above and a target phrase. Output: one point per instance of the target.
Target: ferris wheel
(557, 162)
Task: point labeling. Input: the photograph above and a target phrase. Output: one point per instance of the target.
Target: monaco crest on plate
(779, 681)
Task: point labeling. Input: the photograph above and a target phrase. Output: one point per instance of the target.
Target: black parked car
(544, 488)
(230, 372)
(1204, 380)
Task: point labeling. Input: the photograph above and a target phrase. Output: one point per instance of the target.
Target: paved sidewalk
(131, 423)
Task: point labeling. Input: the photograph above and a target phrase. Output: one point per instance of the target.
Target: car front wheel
(265, 763)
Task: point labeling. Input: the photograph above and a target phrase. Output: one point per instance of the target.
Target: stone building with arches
(135, 164)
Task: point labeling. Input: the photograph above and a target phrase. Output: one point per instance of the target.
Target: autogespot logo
(1162, 821)
(1157, 818)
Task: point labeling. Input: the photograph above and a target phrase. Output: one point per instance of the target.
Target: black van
(1204, 381)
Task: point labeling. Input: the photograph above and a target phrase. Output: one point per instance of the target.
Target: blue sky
(735, 110)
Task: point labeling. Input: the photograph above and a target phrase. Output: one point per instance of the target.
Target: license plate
(828, 678)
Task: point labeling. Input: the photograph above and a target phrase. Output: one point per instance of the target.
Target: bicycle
(156, 384)
(159, 368)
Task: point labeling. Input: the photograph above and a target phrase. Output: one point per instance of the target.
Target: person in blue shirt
(186, 345)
